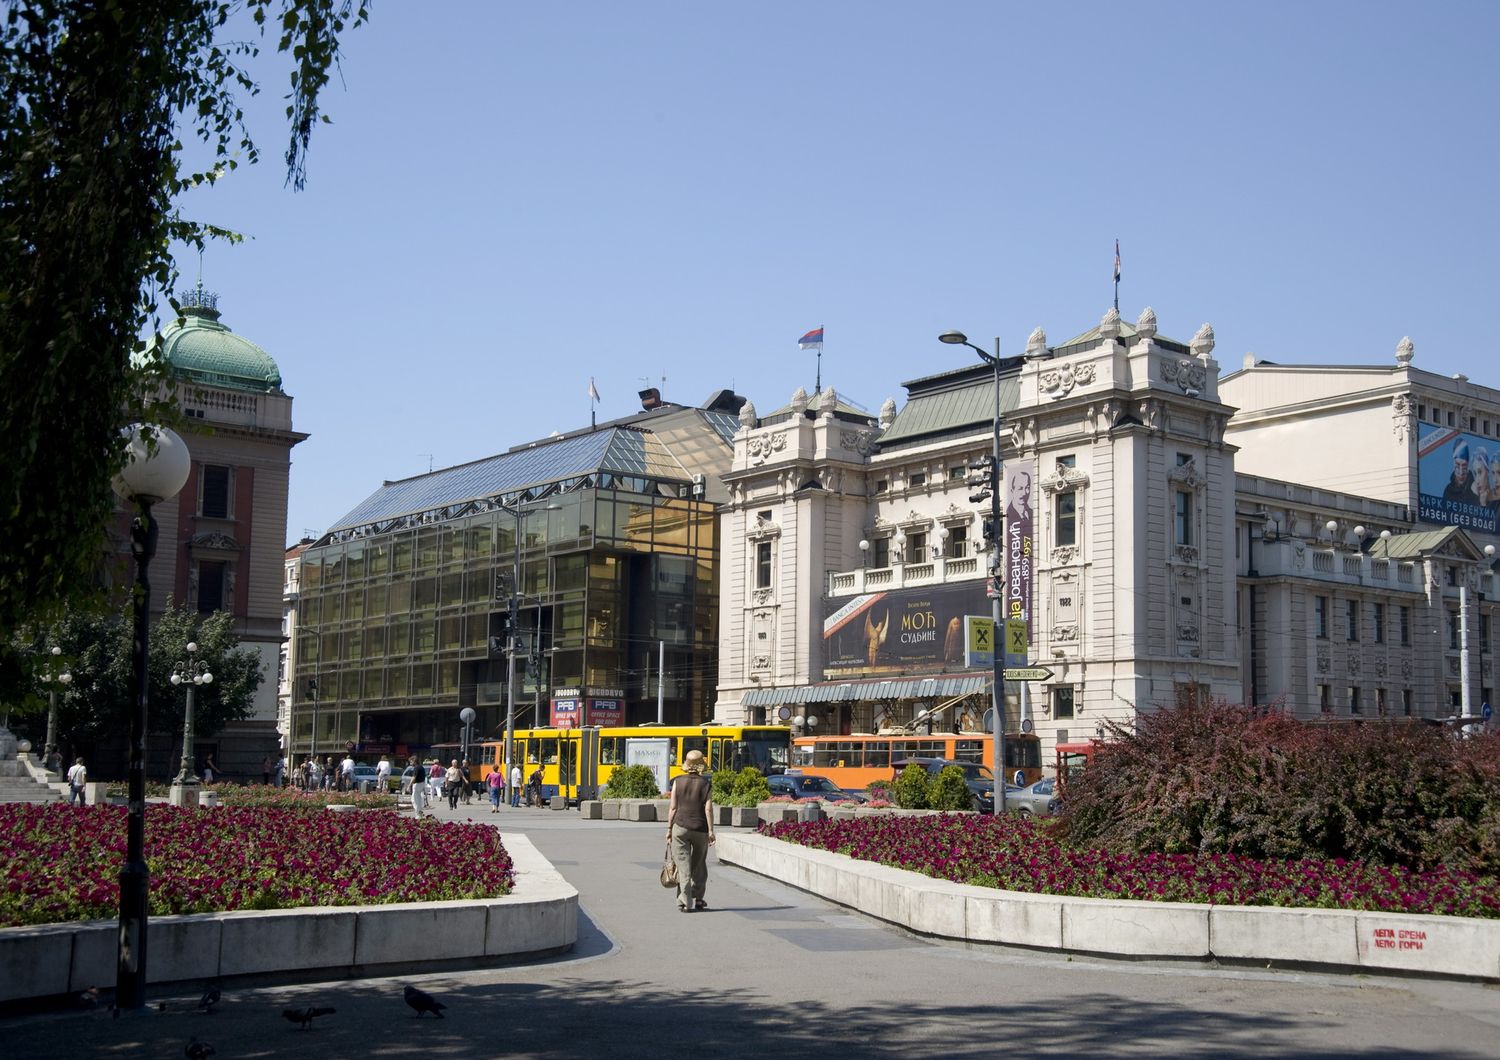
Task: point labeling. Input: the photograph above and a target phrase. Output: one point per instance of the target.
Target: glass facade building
(403, 616)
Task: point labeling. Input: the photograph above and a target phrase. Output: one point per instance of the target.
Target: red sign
(565, 713)
(605, 712)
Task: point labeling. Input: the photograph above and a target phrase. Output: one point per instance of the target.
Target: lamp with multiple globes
(193, 673)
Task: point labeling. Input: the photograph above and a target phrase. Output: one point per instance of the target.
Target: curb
(538, 919)
(1330, 939)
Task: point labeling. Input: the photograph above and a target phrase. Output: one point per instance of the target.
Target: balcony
(941, 571)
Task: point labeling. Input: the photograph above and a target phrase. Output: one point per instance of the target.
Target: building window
(1406, 626)
(1382, 702)
(1066, 522)
(1406, 701)
(1325, 700)
(958, 541)
(1184, 521)
(214, 492)
(1453, 631)
(1067, 461)
(916, 546)
(957, 474)
(1062, 701)
(763, 565)
(1355, 706)
(882, 550)
(1320, 617)
(212, 575)
(1484, 632)
(1351, 619)
(1452, 575)
(917, 478)
(1380, 623)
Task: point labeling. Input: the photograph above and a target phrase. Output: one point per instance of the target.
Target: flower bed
(1020, 855)
(62, 863)
(259, 796)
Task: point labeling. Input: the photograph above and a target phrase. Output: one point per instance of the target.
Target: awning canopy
(852, 691)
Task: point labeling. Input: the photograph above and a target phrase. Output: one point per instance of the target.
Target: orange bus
(853, 761)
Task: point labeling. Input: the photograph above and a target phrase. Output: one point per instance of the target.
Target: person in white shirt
(346, 774)
(515, 785)
(383, 774)
(77, 777)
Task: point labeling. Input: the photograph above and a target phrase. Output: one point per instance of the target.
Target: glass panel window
(958, 541)
(1066, 522)
(1355, 706)
(1325, 700)
(881, 552)
(214, 492)
(1380, 623)
(212, 589)
(1062, 701)
(1351, 619)
(1453, 631)
(1183, 528)
(1406, 626)
(1320, 617)
(763, 565)
(916, 544)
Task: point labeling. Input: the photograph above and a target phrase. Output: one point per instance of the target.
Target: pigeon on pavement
(196, 1050)
(304, 1016)
(422, 1001)
(209, 999)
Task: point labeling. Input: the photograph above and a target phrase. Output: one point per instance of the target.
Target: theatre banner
(1019, 560)
(1457, 481)
(904, 631)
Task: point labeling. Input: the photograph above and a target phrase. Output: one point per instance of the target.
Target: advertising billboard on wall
(904, 631)
(1457, 478)
(1018, 558)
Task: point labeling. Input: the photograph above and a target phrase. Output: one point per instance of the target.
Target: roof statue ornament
(829, 402)
(1203, 342)
(1145, 325)
(887, 413)
(799, 401)
(1109, 327)
(1405, 351)
(747, 414)
(1036, 344)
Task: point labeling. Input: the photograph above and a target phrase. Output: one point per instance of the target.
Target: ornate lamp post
(155, 470)
(49, 751)
(997, 565)
(190, 672)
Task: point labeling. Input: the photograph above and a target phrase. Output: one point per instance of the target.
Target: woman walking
(418, 788)
(452, 781)
(690, 830)
(496, 781)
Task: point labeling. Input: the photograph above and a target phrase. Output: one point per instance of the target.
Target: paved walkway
(773, 971)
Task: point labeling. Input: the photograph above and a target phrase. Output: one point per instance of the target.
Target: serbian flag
(811, 339)
(1117, 261)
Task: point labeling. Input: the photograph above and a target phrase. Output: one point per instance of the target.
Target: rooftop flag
(1117, 261)
(593, 390)
(811, 339)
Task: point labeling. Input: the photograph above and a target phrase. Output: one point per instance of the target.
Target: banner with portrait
(1457, 481)
(1017, 555)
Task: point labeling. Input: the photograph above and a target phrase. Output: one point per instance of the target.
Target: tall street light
(191, 672)
(49, 752)
(997, 565)
(155, 470)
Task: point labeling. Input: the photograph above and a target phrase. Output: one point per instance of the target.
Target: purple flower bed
(62, 863)
(1020, 855)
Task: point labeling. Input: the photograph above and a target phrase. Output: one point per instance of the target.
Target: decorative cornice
(1063, 479)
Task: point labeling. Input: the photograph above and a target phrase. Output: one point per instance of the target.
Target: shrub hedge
(631, 782)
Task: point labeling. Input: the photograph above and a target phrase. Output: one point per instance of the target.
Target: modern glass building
(403, 616)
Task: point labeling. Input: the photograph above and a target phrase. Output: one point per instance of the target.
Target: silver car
(1039, 799)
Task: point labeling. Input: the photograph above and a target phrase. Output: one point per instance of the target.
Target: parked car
(1039, 799)
(365, 774)
(798, 786)
(979, 778)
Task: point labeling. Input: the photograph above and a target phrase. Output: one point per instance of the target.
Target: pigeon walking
(209, 999)
(196, 1050)
(304, 1016)
(422, 1002)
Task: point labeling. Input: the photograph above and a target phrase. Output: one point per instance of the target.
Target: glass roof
(619, 450)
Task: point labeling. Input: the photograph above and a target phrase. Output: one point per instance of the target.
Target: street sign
(1017, 641)
(1486, 712)
(1027, 673)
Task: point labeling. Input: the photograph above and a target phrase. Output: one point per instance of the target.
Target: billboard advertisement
(1456, 478)
(904, 631)
(1019, 559)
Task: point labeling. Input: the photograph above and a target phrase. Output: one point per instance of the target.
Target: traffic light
(990, 533)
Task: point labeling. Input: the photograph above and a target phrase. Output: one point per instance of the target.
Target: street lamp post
(192, 673)
(997, 566)
(49, 751)
(156, 468)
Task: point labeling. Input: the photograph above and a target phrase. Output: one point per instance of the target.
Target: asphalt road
(774, 971)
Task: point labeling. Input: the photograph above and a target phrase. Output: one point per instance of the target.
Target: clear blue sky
(516, 197)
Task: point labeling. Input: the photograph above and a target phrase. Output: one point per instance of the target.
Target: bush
(1219, 779)
(631, 782)
(750, 788)
(879, 790)
(722, 788)
(910, 788)
(948, 791)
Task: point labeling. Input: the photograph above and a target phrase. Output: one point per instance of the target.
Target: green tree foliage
(95, 99)
(911, 788)
(98, 702)
(750, 787)
(949, 791)
(1214, 778)
(631, 782)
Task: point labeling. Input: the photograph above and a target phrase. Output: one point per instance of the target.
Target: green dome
(201, 349)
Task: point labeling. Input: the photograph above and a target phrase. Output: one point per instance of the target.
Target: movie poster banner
(1018, 553)
(1456, 478)
(906, 631)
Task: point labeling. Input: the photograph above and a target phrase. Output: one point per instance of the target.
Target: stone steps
(24, 789)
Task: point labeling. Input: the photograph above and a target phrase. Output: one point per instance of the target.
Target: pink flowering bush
(1018, 854)
(262, 797)
(62, 863)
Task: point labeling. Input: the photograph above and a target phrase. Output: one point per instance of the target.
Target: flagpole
(1117, 277)
(818, 386)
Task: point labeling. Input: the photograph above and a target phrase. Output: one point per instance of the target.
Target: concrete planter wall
(1343, 939)
(540, 918)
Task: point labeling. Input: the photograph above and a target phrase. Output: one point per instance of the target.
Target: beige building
(1169, 553)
